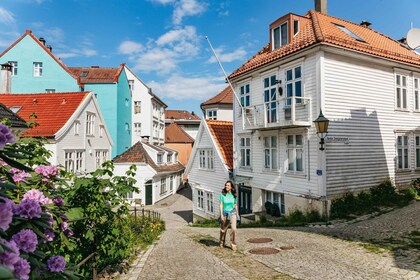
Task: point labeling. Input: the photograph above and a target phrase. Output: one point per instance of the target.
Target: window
(416, 94)
(245, 95)
(84, 74)
(280, 36)
(14, 67)
(49, 90)
(295, 153)
(200, 199)
(209, 202)
(37, 69)
(402, 152)
(417, 151)
(171, 183)
(101, 131)
(76, 128)
(137, 107)
(159, 158)
(245, 146)
(270, 152)
(131, 84)
(73, 161)
(348, 32)
(212, 114)
(137, 129)
(127, 102)
(98, 159)
(401, 91)
(270, 98)
(162, 186)
(169, 158)
(206, 159)
(294, 85)
(295, 27)
(79, 162)
(68, 161)
(90, 124)
(277, 198)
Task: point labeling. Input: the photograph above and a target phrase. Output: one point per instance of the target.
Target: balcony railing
(283, 113)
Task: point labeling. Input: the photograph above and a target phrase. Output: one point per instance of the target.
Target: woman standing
(228, 212)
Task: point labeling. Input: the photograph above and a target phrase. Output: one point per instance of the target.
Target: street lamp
(321, 124)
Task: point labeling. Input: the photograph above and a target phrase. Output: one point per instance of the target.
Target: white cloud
(163, 2)
(238, 54)
(223, 9)
(184, 88)
(6, 17)
(176, 35)
(185, 8)
(130, 47)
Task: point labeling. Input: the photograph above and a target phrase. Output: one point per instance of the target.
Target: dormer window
(280, 35)
(159, 158)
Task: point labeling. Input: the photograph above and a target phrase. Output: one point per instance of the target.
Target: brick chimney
(321, 6)
(6, 78)
(42, 40)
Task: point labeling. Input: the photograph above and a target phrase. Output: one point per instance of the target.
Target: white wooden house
(220, 106)
(158, 172)
(72, 123)
(366, 84)
(210, 166)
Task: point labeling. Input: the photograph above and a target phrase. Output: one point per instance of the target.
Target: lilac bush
(6, 137)
(6, 213)
(56, 264)
(22, 269)
(26, 240)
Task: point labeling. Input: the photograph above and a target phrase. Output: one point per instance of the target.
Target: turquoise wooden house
(35, 69)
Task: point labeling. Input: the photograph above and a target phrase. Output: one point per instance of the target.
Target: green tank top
(228, 201)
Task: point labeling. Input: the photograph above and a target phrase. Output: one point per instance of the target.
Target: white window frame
(206, 161)
(169, 158)
(417, 150)
(137, 128)
(245, 91)
(137, 107)
(163, 189)
(245, 150)
(159, 158)
(69, 161)
(270, 96)
(291, 83)
(37, 69)
(171, 183)
(14, 67)
(101, 130)
(211, 114)
(292, 151)
(401, 91)
(98, 159)
(90, 123)
(74, 161)
(131, 84)
(76, 128)
(403, 152)
(271, 159)
(416, 93)
(280, 43)
(200, 199)
(210, 202)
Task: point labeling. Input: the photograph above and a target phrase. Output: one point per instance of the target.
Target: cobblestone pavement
(185, 252)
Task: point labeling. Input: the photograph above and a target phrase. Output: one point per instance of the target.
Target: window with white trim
(49, 90)
(131, 84)
(159, 158)
(270, 97)
(401, 91)
(162, 186)
(104, 156)
(76, 127)
(69, 161)
(280, 35)
(200, 199)
(416, 82)
(37, 69)
(245, 95)
(277, 198)
(206, 159)
(90, 123)
(137, 107)
(209, 202)
(101, 130)
(417, 151)
(73, 161)
(293, 84)
(14, 67)
(270, 152)
(212, 114)
(137, 128)
(171, 183)
(245, 147)
(98, 159)
(169, 158)
(402, 152)
(295, 153)
(79, 161)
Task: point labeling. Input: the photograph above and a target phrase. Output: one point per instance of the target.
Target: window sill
(209, 170)
(245, 168)
(404, 171)
(401, 110)
(271, 171)
(295, 174)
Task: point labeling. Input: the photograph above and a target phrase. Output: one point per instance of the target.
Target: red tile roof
(29, 33)
(222, 132)
(180, 115)
(175, 134)
(224, 97)
(137, 154)
(97, 75)
(53, 110)
(318, 28)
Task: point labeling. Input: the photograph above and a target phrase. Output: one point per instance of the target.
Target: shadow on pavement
(187, 215)
(186, 191)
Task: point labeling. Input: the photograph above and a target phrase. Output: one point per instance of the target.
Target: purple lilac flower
(47, 170)
(22, 269)
(49, 234)
(5, 136)
(8, 258)
(64, 226)
(50, 219)
(37, 196)
(6, 213)
(28, 208)
(58, 200)
(63, 217)
(26, 240)
(56, 264)
(68, 232)
(21, 177)
(2, 162)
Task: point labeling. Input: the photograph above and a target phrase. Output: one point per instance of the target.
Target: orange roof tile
(175, 134)
(180, 115)
(224, 97)
(29, 33)
(318, 28)
(222, 132)
(53, 110)
(137, 153)
(97, 75)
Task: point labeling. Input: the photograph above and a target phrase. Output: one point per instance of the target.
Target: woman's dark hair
(233, 189)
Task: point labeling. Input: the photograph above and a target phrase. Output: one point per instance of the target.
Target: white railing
(285, 112)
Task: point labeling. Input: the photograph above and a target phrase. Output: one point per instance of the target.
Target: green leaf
(5, 273)
(7, 186)
(14, 163)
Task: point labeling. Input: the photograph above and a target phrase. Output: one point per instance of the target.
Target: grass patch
(376, 248)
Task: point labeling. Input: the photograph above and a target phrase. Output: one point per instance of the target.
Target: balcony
(286, 112)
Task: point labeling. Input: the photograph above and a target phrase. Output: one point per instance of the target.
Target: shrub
(384, 194)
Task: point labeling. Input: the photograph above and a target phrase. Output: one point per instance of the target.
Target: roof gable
(222, 133)
(175, 134)
(13, 118)
(97, 75)
(53, 110)
(224, 97)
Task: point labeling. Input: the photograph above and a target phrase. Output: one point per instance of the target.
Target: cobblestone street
(185, 252)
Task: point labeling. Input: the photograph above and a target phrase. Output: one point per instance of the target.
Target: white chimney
(6, 78)
(321, 6)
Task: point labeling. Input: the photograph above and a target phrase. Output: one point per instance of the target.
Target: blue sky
(163, 41)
